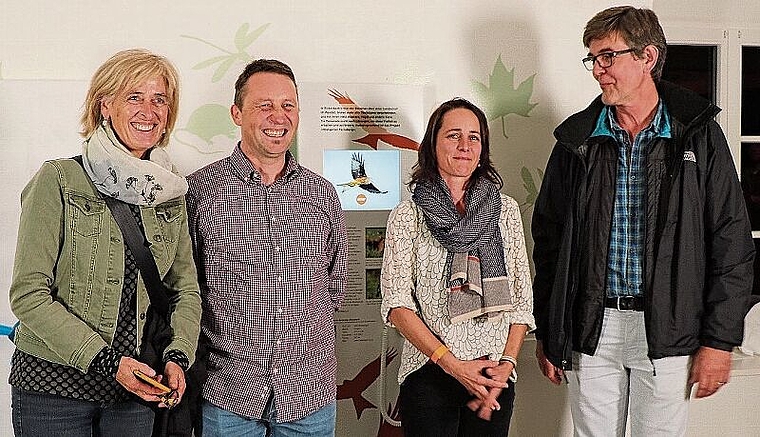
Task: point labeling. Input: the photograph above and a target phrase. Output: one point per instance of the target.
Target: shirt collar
(660, 124)
(243, 168)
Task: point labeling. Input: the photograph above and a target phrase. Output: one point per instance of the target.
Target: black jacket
(699, 252)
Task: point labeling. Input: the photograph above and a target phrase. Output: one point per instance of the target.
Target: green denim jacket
(69, 269)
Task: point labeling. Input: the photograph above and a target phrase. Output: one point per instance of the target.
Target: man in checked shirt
(270, 243)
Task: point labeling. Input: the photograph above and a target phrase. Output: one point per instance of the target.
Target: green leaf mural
(204, 124)
(242, 41)
(501, 98)
(530, 186)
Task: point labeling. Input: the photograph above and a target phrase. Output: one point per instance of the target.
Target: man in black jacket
(643, 250)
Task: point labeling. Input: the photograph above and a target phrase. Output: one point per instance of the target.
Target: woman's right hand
(471, 374)
(129, 381)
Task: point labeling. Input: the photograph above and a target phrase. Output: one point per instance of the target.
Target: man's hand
(710, 370)
(552, 372)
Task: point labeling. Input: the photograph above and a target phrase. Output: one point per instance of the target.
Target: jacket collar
(685, 107)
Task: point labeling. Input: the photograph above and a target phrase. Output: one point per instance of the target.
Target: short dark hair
(638, 28)
(260, 66)
(426, 167)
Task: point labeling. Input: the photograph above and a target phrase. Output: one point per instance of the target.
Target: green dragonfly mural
(211, 122)
(243, 39)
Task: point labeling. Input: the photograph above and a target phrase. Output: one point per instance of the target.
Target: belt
(625, 303)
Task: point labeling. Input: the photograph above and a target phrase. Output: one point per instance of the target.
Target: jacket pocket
(86, 215)
(169, 220)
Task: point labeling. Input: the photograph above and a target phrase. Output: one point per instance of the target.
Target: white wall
(443, 45)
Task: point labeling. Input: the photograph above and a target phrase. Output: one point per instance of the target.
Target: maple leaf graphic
(501, 98)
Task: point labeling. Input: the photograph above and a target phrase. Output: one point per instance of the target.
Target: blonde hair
(122, 71)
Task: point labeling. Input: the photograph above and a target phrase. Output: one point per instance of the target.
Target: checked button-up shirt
(626, 250)
(272, 267)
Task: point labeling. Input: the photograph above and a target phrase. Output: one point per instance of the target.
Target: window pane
(756, 282)
(750, 170)
(750, 90)
(693, 67)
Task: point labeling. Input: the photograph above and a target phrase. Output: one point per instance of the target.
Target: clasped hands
(484, 379)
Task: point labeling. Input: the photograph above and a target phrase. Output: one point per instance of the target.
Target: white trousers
(620, 380)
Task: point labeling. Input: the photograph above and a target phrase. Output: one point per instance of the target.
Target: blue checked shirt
(272, 270)
(626, 250)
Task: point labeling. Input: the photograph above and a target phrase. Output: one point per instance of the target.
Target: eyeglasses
(603, 59)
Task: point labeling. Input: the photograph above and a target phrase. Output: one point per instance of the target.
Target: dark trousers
(433, 403)
(46, 415)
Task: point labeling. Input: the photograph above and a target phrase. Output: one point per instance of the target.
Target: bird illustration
(374, 131)
(353, 388)
(394, 140)
(359, 174)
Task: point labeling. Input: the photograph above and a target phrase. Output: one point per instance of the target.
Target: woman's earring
(104, 122)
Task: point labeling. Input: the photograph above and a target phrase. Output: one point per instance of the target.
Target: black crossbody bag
(157, 331)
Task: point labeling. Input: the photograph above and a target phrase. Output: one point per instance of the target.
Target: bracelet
(513, 375)
(440, 352)
(509, 359)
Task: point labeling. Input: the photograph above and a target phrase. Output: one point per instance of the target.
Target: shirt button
(274, 371)
(142, 316)
(279, 342)
(157, 237)
(279, 278)
(277, 248)
(279, 310)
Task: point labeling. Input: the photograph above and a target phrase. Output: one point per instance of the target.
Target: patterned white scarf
(118, 173)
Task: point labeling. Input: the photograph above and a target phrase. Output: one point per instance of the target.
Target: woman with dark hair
(77, 288)
(456, 283)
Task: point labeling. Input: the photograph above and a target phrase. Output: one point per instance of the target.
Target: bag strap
(135, 239)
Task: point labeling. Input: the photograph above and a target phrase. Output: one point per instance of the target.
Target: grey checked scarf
(477, 284)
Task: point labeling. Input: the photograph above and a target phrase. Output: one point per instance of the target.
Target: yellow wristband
(441, 351)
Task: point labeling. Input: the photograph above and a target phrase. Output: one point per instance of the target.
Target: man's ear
(651, 55)
(236, 115)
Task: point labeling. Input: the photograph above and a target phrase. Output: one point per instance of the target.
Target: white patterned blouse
(413, 277)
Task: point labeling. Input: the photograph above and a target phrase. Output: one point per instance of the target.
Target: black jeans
(433, 403)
